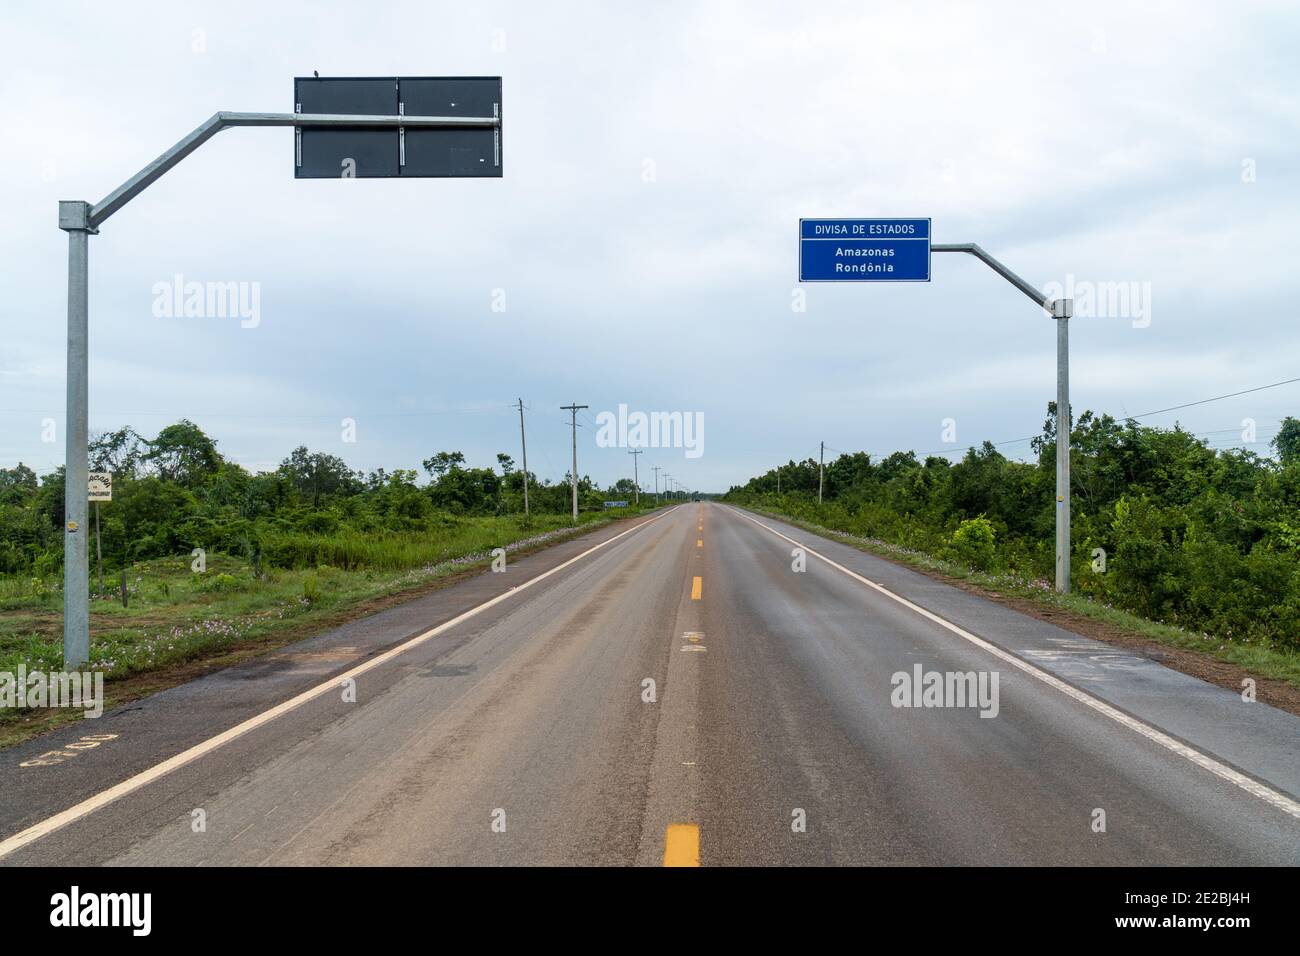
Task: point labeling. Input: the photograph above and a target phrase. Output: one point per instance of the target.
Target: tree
(119, 452)
(146, 517)
(848, 471)
(506, 462)
(467, 490)
(401, 499)
(17, 484)
(978, 482)
(183, 454)
(443, 462)
(318, 474)
(1287, 441)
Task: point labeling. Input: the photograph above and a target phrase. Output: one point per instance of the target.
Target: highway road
(511, 719)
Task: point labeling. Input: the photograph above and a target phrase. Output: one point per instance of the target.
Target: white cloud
(1103, 140)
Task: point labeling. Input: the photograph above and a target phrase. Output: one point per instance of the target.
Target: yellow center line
(697, 588)
(699, 542)
(682, 845)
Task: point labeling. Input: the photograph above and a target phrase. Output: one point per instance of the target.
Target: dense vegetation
(1202, 539)
(175, 492)
(286, 553)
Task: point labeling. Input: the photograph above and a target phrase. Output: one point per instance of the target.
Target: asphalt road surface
(672, 692)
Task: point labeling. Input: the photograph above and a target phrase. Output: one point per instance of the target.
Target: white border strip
(1250, 785)
(105, 797)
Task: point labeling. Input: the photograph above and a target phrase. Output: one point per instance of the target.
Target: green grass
(175, 615)
(351, 550)
(1260, 660)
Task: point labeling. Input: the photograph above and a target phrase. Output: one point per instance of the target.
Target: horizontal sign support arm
(347, 119)
(219, 121)
(969, 247)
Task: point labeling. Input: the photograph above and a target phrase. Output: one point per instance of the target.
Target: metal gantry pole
(81, 220)
(1062, 448)
(74, 218)
(1061, 310)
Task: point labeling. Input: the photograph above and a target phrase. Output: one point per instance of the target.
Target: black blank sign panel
(369, 153)
(335, 153)
(452, 152)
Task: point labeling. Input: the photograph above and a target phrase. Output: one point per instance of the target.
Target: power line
(1217, 398)
(1131, 418)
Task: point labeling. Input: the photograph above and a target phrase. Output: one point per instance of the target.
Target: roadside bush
(1203, 539)
(974, 543)
(219, 582)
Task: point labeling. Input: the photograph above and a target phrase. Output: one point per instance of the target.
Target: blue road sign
(864, 250)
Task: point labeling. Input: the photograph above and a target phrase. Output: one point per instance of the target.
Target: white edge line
(1277, 799)
(88, 806)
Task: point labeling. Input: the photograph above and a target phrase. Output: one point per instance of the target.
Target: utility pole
(524, 444)
(573, 411)
(821, 471)
(778, 479)
(656, 471)
(636, 480)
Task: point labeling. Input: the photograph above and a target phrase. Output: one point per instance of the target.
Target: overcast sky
(657, 160)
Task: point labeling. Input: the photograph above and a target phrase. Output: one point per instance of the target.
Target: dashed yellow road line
(699, 542)
(682, 845)
(697, 588)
